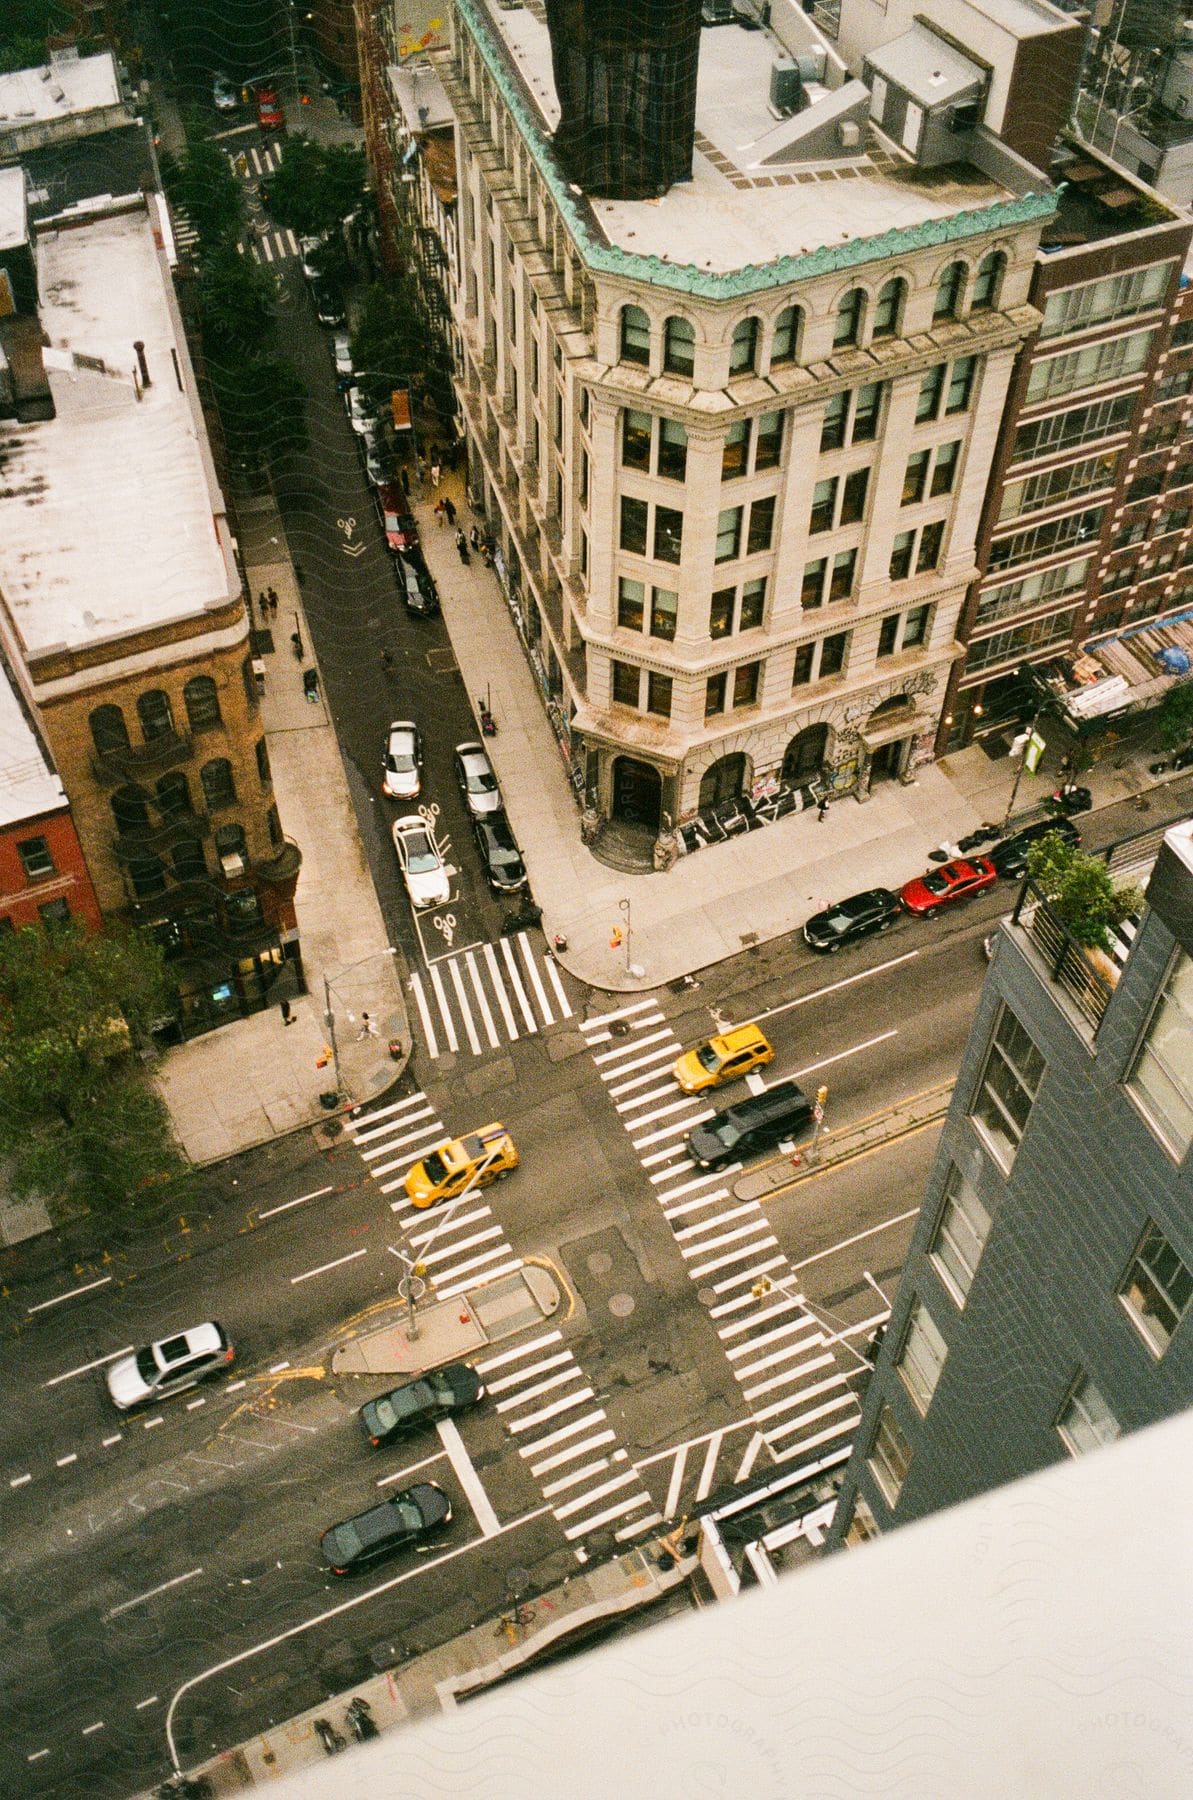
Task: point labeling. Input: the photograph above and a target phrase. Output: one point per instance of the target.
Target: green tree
(236, 298)
(390, 345)
(317, 186)
(260, 397)
(26, 26)
(1080, 890)
(1176, 716)
(79, 1120)
(202, 183)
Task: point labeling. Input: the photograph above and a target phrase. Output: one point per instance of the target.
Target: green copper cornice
(753, 278)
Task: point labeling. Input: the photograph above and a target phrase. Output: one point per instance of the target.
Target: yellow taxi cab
(479, 1158)
(722, 1059)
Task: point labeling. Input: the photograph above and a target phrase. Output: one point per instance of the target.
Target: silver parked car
(478, 784)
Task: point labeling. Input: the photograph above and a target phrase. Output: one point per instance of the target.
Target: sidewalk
(729, 896)
(257, 1078)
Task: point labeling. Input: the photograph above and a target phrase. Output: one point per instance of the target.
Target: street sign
(1034, 751)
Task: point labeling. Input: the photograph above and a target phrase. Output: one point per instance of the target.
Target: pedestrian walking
(462, 545)
(435, 473)
(822, 809)
(474, 538)
(367, 1028)
(287, 1015)
(449, 508)
(273, 599)
(439, 512)
(262, 605)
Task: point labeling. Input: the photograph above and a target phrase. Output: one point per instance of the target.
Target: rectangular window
(931, 388)
(633, 525)
(1010, 645)
(961, 380)
(584, 478)
(901, 554)
(768, 445)
(853, 497)
(1085, 1422)
(720, 614)
(840, 586)
(1042, 540)
(753, 604)
(824, 501)
(915, 477)
(931, 539)
(728, 533)
(673, 450)
(890, 1455)
(812, 587)
(55, 912)
(921, 1357)
(867, 406)
(805, 658)
(960, 1236)
(862, 1524)
(832, 653)
(944, 469)
(35, 855)
(626, 684)
(915, 626)
(636, 428)
(888, 635)
(762, 526)
(1063, 430)
(735, 450)
(832, 429)
(1112, 297)
(1156, 1289)
(745, 684)
(1035, 492)
(664, 605)
(714, 695)
(658, 694)
(1110, 360)
(1007, 1087)
(631, 603)
(1162, 1077)
(668, 534)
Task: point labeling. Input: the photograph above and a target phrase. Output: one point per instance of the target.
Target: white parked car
(169, 1366)
(403, 761)
(422, 865)
(359, 415)
(343, 355)
(308, 250)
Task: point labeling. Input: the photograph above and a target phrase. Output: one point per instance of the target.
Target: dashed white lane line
(151, 1593)
(19, 1480)
(324, 1267)
(468, 1479)
(86, 1368)
(300, 1201)
(70, 1294)
(142, 1704)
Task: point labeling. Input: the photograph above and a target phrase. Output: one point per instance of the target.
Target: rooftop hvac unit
(849, 133)
(786, 88)
(232, 865)
(812, 64)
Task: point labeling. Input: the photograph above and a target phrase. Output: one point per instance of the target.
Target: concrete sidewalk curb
(836, 1147)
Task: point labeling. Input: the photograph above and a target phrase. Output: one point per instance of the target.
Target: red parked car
(398, 522)
(959, 880)
(270, 116)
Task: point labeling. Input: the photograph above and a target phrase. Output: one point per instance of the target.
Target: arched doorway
(805, 754)
(725, 780)
(637, 792)
(888, 734)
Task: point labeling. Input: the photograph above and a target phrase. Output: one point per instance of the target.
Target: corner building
(733, 440)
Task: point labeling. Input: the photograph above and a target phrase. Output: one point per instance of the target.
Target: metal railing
(1068, 961)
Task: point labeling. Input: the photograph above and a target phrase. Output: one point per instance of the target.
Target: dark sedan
(434, 1396)
(417, 584)
(1010, 856)
(406, 1518)
(875, 910)
(501, 858)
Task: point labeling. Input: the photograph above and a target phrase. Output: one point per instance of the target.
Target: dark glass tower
(625, 77)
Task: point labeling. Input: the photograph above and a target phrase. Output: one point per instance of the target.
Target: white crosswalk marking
(792, 1375)
(488, 995)
(537, 1387)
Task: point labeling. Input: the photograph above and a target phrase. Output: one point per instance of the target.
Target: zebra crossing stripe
(655, 1037)
(509, 1356)
(552, 1411)
(585, 1474)
(499, 989)
(505, 1382)
(453, 1042)
(745, 1467)
(519, 990)
(591, 1026)
(461, 996)
(599, 1417)
(595, 1442)
(561, 999)
(533, 974)
(708, 1472)
(481, 1001)
(290, 241)
(541, 1387)
(420, 1000)
(614, 1512)
(620, 1480)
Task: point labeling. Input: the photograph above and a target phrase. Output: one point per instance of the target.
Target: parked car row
(421, 860)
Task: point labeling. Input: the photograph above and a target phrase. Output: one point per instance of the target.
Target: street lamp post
(329, 1014)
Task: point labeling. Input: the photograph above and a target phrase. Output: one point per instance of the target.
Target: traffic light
(615, 938)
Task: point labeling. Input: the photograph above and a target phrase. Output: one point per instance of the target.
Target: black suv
(1010, 857)
(404, 1519)
(875, 910)
(505, 871)
(765, 1119)
(433, 1396)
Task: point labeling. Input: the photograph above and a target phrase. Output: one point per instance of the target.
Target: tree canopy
(317, 186)
(80, 1122)
(26, 26)
(390, 345)
(1080, 890)
(1176, 716)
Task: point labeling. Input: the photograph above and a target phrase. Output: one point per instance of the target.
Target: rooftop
(70, 173)
(13, 227)
(27, 787)
(106, 511)
(70, 84)
(1096, 199)
(752, 200)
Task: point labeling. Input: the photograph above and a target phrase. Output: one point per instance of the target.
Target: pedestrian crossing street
(795, 1379)
(253, 163)
(488, 995)
(560, 1428)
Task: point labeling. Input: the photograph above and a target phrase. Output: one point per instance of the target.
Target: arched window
(173, 795)
(725, 780)
(679, 347)
(108, 729)
(949, 290)
(987, 283)
(130, 809)
(202, 703)
(153, 710)
(230, 841)
(784, 344)
(218, 787)
(635, 335)
(850, 311)
(888, 308)
(805, 754)
(743, 353)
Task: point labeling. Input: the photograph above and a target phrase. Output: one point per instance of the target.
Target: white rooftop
(743, 209)
(27, 788)
(106, 511)
(74, 84)
(13, 226)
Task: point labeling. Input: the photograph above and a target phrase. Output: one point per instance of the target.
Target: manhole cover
(599, 1263)
(622, 1305)
(706, 1296)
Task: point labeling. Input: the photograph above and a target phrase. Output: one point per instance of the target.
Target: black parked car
(765, 1119)
(501, 859)
(421, 1402)
(875, 910)
(404, 1519)
(1010, 857)
(417, 584)
(329, 303)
